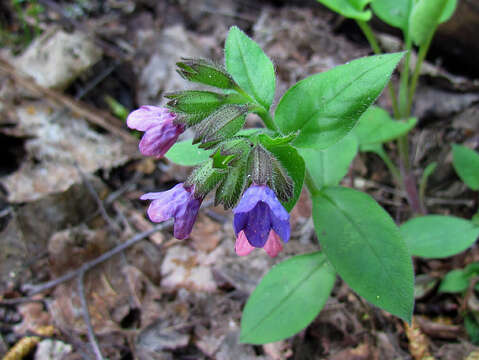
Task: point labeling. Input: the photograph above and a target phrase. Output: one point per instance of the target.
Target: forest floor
(71, 176)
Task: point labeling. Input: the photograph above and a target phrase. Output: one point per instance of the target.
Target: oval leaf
(352, 9)
(327, 167)
(325, 107)
(365, 247)
(376, 126)
(393, 12)
(186, 154)
(287, 299)
(438, 236)
(249, 66)
(466, 164)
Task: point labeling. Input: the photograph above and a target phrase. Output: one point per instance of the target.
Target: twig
(86, 317)
(95, 116)
(38, 288)
(111, 224)
(20, 300)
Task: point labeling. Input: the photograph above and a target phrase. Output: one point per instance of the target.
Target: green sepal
(222, 124)
(266, 140)
(230, 189)
(260, 165)
(195, 101)
(205, 177)
(238, 147)
(205, 72)
(266, 169)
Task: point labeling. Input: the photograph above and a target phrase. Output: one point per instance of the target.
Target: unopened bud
(205, 72)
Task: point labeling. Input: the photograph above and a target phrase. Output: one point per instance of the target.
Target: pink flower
(161, 132)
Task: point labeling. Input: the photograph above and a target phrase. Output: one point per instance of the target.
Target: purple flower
(179, 203)
(161, 132)
(260, 221)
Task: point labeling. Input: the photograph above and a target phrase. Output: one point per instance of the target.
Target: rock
(56, 141)
(52, 350)
(57, 58)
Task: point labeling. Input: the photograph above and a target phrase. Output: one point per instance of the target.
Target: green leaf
(472, 328)
(287, 299)
(293, 163)
(352, 9)
(186, 154)
(376, 126)
(365, 247)
(393, 12)
(249, 66)
(326, 106)
(438, 236)
(328, 167)
(466, 164)
(456, 281)
(426, 16)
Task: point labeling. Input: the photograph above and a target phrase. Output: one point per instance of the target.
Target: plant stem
(420, 58)
(404, 81)
(390, 165)
(368, 33)
(260, 110)
(312, 188)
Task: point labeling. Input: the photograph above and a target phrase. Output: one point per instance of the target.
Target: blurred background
(71, 176)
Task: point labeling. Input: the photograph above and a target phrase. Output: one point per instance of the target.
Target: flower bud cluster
(239, 161)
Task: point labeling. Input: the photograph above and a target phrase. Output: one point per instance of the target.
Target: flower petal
(185, 218)
(273, 245)
(165, 204)
(242, 245)
(159, 139)
(148, 116)
(258, 225)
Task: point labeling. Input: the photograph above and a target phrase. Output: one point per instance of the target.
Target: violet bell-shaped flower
(260, 221)
(180, 203)
(161, 131)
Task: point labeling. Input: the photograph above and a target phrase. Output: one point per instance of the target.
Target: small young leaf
(205, 72)
(287, 299)
(426, 15)
(327, 167)
(186, 154)
(293, 163)
(455, 281)
(438, 236)
(326, 106)
(393, 12)
(376, 126)
(250, 67)
(466, 164)
(352, 9)
(205, 177)
(365, 247)
(232, 186)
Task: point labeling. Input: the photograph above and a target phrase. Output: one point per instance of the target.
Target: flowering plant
(260, 173)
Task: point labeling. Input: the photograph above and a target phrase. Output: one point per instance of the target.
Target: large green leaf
(325, 107)
(293, 163)
(376, 126)
(287, 299)
(352, 9)
(186, 154)
(327, 167)
(393, 12)
(426, 16)
(366, 248)
(252, 70)
(466, 164)
(438, 236)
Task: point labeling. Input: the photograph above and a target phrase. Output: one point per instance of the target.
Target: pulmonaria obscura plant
(260, 174)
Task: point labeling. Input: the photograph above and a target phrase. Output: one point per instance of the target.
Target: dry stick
(111, 224)
(87, 319)
(35, 289)
(94, 116)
